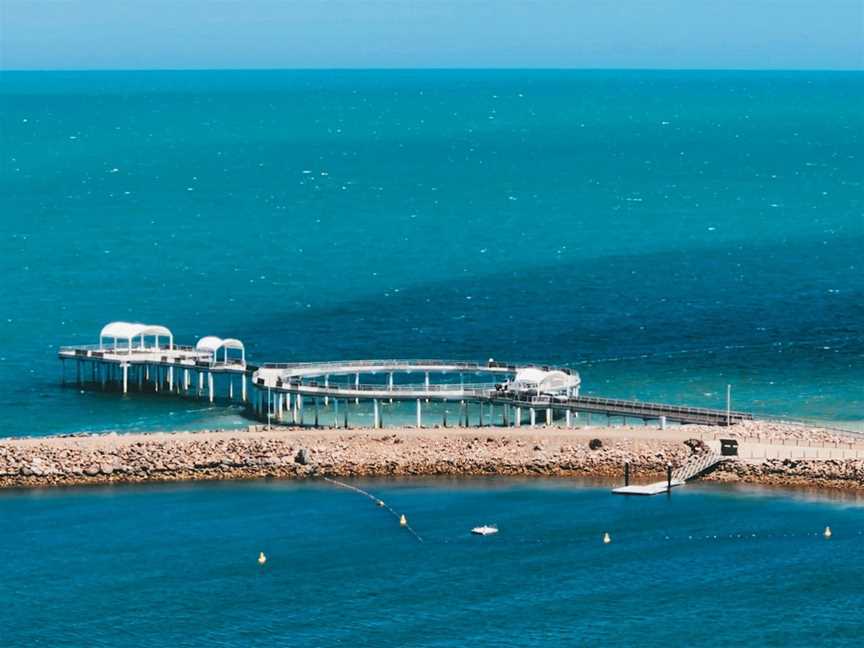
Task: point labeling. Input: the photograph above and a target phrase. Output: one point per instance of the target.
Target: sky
(678, 34)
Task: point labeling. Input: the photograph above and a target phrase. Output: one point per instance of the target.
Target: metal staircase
(695, 466)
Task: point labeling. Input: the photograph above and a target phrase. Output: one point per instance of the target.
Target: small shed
(729, 447)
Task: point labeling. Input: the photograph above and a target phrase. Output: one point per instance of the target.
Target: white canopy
(540, 381)
(129, 330)
(213, 344)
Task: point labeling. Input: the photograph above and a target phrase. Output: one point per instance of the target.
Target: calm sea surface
(663, 233)
(177, 566)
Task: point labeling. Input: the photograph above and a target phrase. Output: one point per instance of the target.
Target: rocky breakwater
(292, 454)
(845, 474)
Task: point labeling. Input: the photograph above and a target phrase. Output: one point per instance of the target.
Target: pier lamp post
(728, 405)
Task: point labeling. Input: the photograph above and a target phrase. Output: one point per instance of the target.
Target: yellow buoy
(606, 538)
(262, 558)
(403, 521)
(827, 533)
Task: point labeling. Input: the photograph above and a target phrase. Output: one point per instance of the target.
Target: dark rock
(697, 446)
(595, 444)
(302, 457)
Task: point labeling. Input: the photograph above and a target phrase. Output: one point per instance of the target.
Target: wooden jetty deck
(502, 393)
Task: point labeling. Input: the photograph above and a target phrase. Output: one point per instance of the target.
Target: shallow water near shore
(176, 565)
(665, 233)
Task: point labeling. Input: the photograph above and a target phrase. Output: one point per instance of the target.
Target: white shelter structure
(139, 352)
(540, 381)
(213, 345)
(128, 333)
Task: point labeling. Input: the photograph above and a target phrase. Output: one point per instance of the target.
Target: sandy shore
(773, 454)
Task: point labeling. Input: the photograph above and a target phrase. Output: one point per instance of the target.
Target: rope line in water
(377, 501)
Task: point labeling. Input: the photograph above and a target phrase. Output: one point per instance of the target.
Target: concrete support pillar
(147, 372)
(336, 412)
(186, 381)
(230, 387)
(102, 372)
(243, 388)
(419, 414)
(210, 385)
(200, 383)
(569, 419)
(326, 386)
(662, 422)
(390, 383)
(170, 379)
(125, 377)
(157, 378)
(140, 371)
(533, 417)
(299, 400)
(279, 410)
(518, 417)
(376, 414)
(357, 386)
(548, 416)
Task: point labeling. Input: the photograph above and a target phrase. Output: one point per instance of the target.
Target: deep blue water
(176, 566)
(666, 233)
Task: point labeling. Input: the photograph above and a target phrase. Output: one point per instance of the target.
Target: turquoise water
(665, 233)
(176, 566)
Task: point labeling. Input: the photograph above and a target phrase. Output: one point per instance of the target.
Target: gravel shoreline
(286, 453)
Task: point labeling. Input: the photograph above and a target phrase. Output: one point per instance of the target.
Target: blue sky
(760, 34)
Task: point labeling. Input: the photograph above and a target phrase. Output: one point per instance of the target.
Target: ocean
(177, 566)
(664, 233)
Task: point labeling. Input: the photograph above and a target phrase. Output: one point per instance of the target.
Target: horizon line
(435, 69)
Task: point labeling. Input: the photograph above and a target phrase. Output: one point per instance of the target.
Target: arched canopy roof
(529, 375)
(129, 330)
(547, 381)
(213, 344)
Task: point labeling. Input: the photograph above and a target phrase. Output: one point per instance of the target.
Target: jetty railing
(432, 363)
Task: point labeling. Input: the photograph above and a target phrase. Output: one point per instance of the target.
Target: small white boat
(484, 530)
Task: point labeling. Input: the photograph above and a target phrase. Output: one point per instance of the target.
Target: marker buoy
(403, 521)
(827, 533)
(262, 558)
(606, 538)
(379, 502)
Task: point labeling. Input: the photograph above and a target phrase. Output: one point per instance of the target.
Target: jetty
(694, 467)
(135, 357)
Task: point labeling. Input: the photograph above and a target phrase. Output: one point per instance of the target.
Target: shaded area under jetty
(770, 453)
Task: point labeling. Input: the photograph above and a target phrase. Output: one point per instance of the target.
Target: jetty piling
(149, 354)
